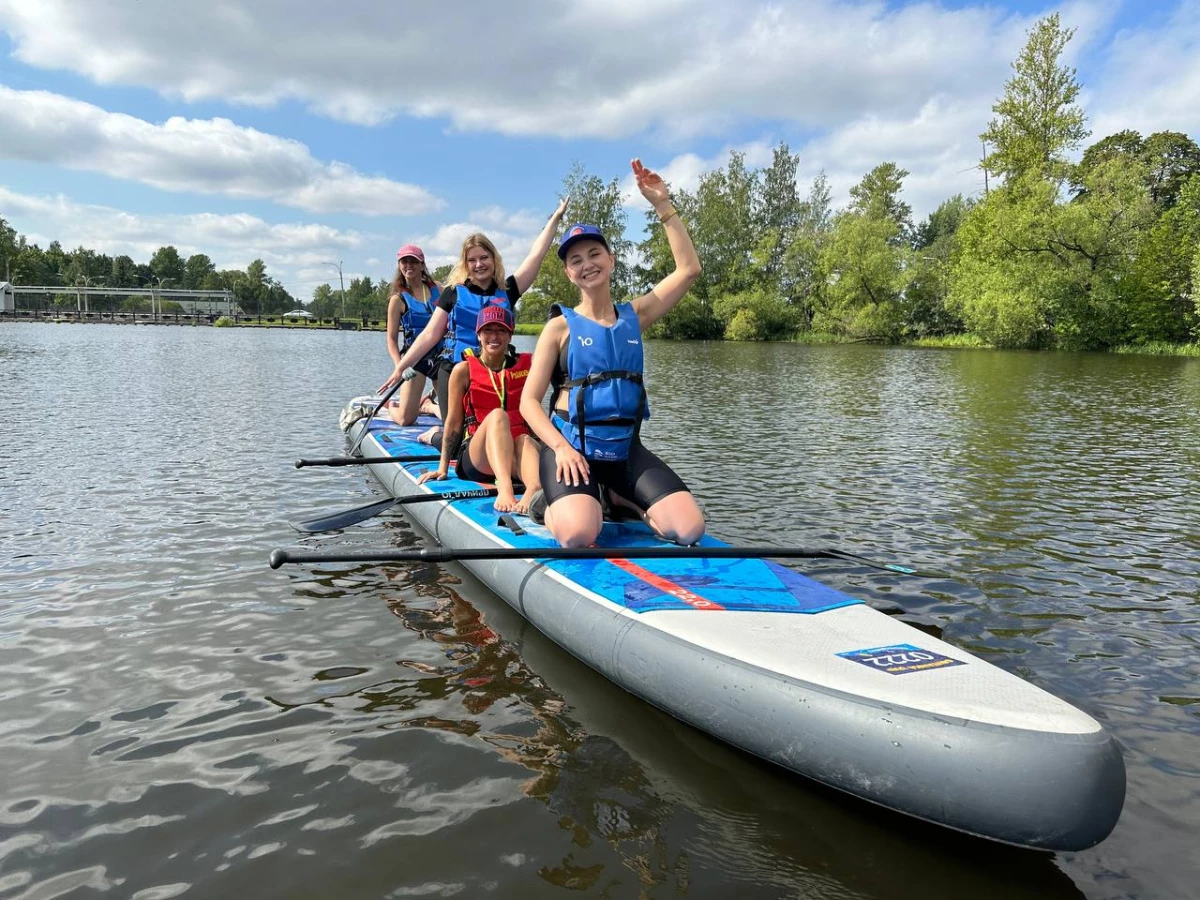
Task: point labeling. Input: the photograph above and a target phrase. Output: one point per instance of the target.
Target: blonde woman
(478, 279)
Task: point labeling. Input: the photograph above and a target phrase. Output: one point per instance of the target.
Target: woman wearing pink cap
(477, 279)
(591, 356)
(484, 398)
(409, 309)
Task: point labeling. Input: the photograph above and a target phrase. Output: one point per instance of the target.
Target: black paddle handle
(362, 460)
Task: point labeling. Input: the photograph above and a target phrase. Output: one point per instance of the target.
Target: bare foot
(522, 506)
(505, 501)
(428, 437)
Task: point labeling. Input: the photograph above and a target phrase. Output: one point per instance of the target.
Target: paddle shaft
(362, 460)
(409, 375)
(666, 551)
(344, 518)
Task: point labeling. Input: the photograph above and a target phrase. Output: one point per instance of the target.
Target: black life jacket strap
(598, 378)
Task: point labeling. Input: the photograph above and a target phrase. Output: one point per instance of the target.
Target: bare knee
(497, 418)
(574, 534)
(688, 534)
(572, 531)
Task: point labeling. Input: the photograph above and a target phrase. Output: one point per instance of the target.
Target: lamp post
(78, 300)
(338, 265)
(87, 283)
(155, 281)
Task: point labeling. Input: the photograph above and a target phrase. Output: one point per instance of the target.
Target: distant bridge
(193, 301)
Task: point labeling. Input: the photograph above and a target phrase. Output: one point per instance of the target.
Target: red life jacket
(490, 390)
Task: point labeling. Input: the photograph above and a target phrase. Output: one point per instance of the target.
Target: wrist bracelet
(663, 219)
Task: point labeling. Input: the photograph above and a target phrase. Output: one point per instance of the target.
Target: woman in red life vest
(484, 399)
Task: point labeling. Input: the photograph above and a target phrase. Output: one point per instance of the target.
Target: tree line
(1091, 254)
(25, 263)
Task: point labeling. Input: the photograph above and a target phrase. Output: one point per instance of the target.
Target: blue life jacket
(417, 314)
(460, 330)
(606, 401)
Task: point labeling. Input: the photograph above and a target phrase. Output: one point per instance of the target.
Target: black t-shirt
(450, 295)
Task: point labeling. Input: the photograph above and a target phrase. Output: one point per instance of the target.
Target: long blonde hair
(458, 275)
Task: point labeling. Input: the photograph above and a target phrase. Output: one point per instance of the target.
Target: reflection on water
(176, 719)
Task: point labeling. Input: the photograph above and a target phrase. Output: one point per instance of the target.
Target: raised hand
(650, 183)
(562, 208)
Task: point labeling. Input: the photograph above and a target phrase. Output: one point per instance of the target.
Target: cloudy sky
(303, 132)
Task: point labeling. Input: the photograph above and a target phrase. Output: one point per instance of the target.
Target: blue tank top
(460, 330)
(417, 314)
(606, 401)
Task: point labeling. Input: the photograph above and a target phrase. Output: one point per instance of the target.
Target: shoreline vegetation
(964, 341)
(1098, 251)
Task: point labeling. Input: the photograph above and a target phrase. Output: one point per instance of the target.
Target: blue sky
(303, 132)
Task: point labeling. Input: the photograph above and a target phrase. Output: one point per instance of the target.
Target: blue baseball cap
(581, 232)
(493, 314)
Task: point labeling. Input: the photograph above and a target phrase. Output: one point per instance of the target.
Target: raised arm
(527, 271)
(662, 298)
(433, 332)
(571, 467)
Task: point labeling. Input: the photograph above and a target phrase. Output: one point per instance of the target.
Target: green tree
(803, 279)
(324, 302)
(10, 249)
(1034, 272)
(1171, 158)
(776, 214)
(878, 196)
(196, 270)
(1037, 121)
(934, 245)
(1164, 306)
(867, 261)
(123, 272)
(867, 276)
(166, 263)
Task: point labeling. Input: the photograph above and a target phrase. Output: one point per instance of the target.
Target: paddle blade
(344, 518)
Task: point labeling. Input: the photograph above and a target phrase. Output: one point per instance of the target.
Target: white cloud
(1152, 80)
(231, 241)
(213, 156)
(586, 69)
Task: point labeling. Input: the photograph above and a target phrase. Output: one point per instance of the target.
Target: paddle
(409, 375)
(362, 460)
(664, 551)
(347, 517)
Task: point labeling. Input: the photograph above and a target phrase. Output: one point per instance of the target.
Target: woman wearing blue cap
(592, 358)
(476, 280)
(484, 399)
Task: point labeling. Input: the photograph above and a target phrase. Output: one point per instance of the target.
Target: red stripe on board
(667, 587)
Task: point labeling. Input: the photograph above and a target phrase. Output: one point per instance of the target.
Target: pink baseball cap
(492, 314)
(410, 250)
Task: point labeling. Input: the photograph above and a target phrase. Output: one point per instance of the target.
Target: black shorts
(441, 381)
(466, 469)
(642, 478)
(427, 366)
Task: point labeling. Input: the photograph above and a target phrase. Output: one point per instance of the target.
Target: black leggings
(442, 382)
(643, 479)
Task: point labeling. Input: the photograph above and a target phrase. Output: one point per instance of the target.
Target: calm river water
(176, 719)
